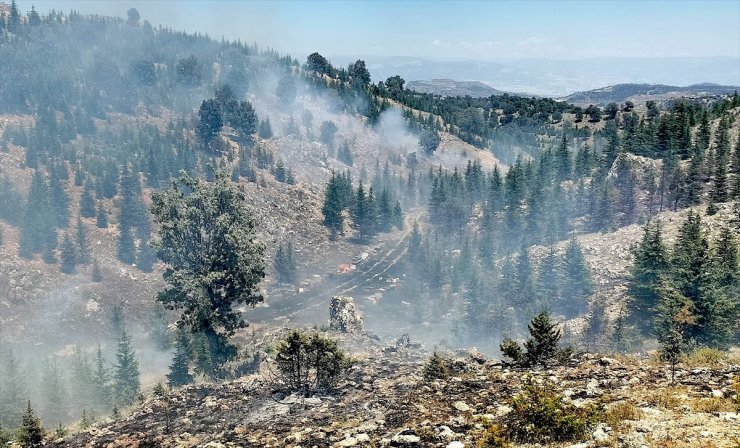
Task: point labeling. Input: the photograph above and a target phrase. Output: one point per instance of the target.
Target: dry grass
(705, 357)
(711, 404)
(666, 398)
(620, 412)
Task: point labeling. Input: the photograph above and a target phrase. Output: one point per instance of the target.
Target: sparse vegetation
(540, 414)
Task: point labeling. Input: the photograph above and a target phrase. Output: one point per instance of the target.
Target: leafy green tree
(319, 64)
(189, 71)
(327, 131)
(213, 260)
(358, 73)
(310, 362)
(429, 141)
(126, 382)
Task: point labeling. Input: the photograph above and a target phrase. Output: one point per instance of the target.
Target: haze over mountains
(557, 78)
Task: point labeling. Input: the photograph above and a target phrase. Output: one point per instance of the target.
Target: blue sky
(447, 29)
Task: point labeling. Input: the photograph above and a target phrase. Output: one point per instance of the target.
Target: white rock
(460, 406)
(455, 444)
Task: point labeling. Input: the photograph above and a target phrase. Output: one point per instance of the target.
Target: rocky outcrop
(344, 316)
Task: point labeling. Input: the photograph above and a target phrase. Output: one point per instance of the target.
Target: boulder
(344, 316)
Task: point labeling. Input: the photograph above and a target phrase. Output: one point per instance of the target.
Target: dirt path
(311, 306)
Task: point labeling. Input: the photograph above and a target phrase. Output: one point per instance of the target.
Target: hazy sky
(447, 29)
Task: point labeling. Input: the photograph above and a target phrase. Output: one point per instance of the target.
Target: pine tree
(673, 317)
(145, 257)
(576, 280)
(126, 383)
(31, 432)
(333, 206)
(548, 280)
(542, 346)
(68, 256)
(83, 249)
(87, 202)
(179, 374)
(101, 217)
(54, 392)
(650, 267)
(101, 380)
(563, 162)
(285, 264)
(13, 387)
(126, 246)
(38, 225)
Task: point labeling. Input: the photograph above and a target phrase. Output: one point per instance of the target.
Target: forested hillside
(452, 220)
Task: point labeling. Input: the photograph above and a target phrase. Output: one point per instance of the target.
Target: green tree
(673, 317)
(286, 91)
(54, 392)
(576, 281)
(31, 432)
(126, 382)
(285, 263)
(101, 218)
(83, 248)
(563, 160)
(649, 268)
(429, 141)
(68, 256)
(542, 346)
(87, 201)
(126, 246)
(211, 120)
(207, 240)
(310, 362)
(179, 374)
(327, 131)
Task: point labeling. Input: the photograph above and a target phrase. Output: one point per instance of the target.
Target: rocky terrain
(385, 400)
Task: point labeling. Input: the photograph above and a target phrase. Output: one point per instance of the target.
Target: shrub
(310, 362)
(436, 368)
(540, 414)
(493, 437)
(512, 350)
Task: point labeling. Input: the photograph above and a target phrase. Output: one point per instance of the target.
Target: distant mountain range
(642, 92)
(450, 87)
(555, 78)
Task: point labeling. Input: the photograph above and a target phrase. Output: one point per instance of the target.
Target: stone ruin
(344, 316)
